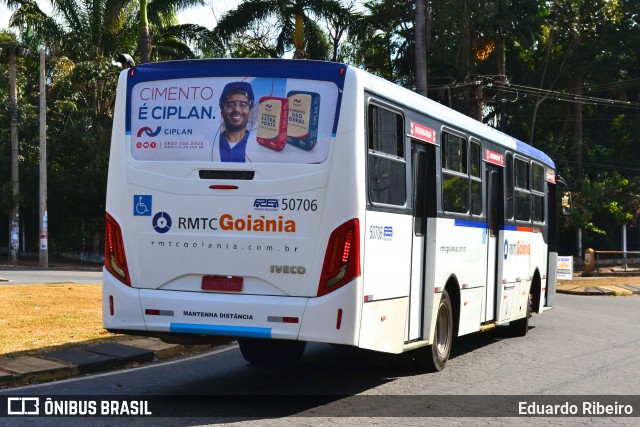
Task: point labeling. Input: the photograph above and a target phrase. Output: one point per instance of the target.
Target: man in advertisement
(236, 103)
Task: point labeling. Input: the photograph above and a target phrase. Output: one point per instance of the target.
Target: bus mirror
(566, 203)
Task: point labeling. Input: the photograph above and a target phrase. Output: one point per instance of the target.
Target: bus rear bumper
(164, 313)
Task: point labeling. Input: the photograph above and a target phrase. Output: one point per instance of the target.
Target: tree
(294, 20)
(158, 22)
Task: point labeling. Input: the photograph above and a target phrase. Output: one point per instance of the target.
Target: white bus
(282, 201)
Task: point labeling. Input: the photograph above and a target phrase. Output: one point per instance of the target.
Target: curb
(608, 290)
(61, 364)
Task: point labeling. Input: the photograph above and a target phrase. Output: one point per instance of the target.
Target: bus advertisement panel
(232, 119)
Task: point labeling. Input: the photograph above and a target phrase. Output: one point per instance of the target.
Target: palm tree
(158, 18)
(90, 30)
(293, 18)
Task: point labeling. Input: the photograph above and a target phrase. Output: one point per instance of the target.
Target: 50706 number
(299, 205)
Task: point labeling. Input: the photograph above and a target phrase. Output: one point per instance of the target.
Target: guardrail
(596, 259)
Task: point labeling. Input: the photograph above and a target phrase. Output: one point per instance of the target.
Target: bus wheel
(443, 335)
(520, 327)
(265, 352)
(434, 357)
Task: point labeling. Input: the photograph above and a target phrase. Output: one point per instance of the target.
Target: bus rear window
(232, 119)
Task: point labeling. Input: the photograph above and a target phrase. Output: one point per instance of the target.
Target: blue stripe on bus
(467, 223)
(483, 225)
(230, 331)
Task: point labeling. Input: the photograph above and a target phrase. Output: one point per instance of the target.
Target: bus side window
(455, 179)
(386, 166)
(475, 170)
(537, 192)
(508, 170)
(523, 195)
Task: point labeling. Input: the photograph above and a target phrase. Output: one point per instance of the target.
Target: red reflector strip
(111, 307)
(368, 298)
(339, 319)
(155, 312)
(222, 283)
(464, 286)
(528, 229)
(282, 319)
(223, 187)
(437, 290)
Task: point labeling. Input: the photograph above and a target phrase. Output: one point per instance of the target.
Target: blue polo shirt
(235, 154)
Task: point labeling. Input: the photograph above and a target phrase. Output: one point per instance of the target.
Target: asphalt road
(586, 348)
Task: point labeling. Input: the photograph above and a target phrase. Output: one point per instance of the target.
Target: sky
(205, 15)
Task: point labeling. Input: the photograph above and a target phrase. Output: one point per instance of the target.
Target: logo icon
(141, 205)
(162, 222)
(266, 204)
(149, 132)
(23, 406)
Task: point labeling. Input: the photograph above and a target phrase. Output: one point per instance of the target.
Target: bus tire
(434, 357)
(443, 334)
(520, 327)
(273, 353)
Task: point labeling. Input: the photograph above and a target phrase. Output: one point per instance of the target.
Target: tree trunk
(144, 38)
(298, 35)
(577, 130)
(421, 49)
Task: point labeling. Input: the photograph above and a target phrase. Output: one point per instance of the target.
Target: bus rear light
(339, 319)
(115, 259)
(111, 307)
(342, 259)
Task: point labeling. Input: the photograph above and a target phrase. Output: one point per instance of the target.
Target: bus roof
(456, 119)
(327, 71)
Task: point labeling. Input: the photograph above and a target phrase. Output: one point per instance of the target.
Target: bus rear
(218, 221)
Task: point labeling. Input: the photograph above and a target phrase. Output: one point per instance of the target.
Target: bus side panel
(470, 310)
(515, 275)
(383, 324)
(386, 276)
(127, 313)
(461, 252)
(387, 262)
(334, 317)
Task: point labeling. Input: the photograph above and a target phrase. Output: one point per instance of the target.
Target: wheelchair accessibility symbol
(162, 222)
(142, 205)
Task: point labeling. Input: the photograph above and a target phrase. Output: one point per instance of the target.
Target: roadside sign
(565, 268)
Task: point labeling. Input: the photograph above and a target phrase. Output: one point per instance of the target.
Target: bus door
(423, 185)
(495, 211)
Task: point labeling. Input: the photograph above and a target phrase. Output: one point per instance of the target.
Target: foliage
(295, 21)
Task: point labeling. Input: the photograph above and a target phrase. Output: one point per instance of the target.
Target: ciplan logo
(149, 132)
